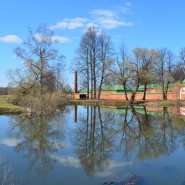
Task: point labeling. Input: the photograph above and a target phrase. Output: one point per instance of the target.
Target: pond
(95, 146)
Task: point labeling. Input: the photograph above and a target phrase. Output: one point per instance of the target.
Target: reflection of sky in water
(65, 167)
(74, 162)
(165, 170)
(10, 142)
(3, 125)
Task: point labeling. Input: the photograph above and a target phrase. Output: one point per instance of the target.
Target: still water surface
(92, 145)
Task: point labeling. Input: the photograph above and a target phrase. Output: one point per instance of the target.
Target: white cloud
(102, 12)
(111, 19)
(11, 39)
(70, 23)
(102, 18)
(109, 23)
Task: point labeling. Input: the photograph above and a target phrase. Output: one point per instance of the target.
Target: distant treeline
(3, 90)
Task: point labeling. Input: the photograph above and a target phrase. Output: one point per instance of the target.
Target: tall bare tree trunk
(145, 87)
(124, 86)
(132, 99)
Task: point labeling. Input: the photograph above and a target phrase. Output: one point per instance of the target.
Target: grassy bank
(155, 103)
(8, 108)
(92, 102)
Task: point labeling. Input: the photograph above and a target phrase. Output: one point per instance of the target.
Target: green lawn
(8, 108)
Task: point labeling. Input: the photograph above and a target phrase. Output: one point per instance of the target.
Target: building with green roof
(153, 92)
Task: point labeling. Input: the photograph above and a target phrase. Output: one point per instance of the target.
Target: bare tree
(179, 67)
(147, 59)
(163, 69)
(38, 55)
(92, 35)
(182, 57)
(59, 76)
(142, 73)
(136, 74)
(82, 62)
(38, 76)
(122, 71)
(105, 53)
(178, 72)
(93, 58)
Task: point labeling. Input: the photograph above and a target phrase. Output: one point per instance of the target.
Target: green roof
(113, 87)
(106, 87)
(121, 88)
(152, 86)
(84, 90)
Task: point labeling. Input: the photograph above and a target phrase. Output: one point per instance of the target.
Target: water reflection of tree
(38, 138)
(99, 134)
(148, 136)
(91, 140)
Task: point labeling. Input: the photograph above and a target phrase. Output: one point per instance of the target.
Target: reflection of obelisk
(75, 113)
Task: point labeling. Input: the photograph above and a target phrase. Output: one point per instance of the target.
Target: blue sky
(137, 23)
